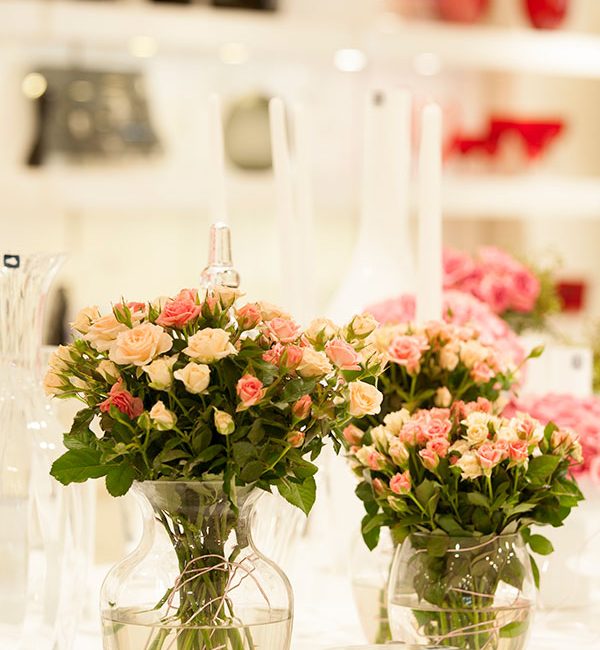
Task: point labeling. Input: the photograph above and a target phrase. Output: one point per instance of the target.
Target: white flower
(195, 377)
(473, 352)
(162, 418)
(108, 371)
(321, 329)
(395, 421)
(443, 397)
(209, 345)
(140, 345)
(85, 318)
(380, 437)
(469, 465)
(449, 357)
(363, 324)
(314, 364)
(224, 423)
(477, 427)
(160, 372)
(365, 399)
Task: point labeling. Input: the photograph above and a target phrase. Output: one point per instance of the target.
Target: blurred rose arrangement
(521, 295)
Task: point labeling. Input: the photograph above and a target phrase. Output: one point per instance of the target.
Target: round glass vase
(196, 581)
(469, 593)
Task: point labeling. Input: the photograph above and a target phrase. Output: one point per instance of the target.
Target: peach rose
(395, 421)
(439, 446)
(407, 350)
(295, 439)
(400, 483)
(398, 452)
(443, 397)
(449, 356)
(123, 400)
(518, 452)
(268, 311)
(85, 319)
(362, 325)
(195, 377)
(140, 345)
(302, 407)
(429, 458)
(314, 364)
(162, 418)
(250, 390)
(283, 330)
(481, 373)
(53, 384)
(103, 332)
(321, 330)
(469, 466)
(353, 435)
(291, 357)
(489, 456)
(160, 372)
(365, 399)
(342, 354)
(108, 371)
(226, 296)
(248, 316)
(371, 458)
(209, 345)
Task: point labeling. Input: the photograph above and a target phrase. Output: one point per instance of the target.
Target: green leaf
(535, 570)
(451, 526)
(437, 545)
(252, 471)
(294, 390)
(478, 499)
(119, 479)
(514, 629)
(301, 495)
(256, 432)
(424, 492)
(77, 466)
(209, 453)
(372, 522)
(541, 468)
(364, 491)
(303, 468)
(243, 452)
(82, 421)
(540, 545)
(371, 536)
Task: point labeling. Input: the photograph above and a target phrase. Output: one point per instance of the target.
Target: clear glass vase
(42, 540)
(468, 593)
(196, 581)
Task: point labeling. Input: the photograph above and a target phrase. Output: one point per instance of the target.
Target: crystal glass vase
(468, 593)
(42, 541)
(196, 581)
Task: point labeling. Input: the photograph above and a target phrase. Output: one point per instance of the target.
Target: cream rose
(160, 372)
(469, 465)
(162, 418)
(140, 345)
(104, 331)
(477, 427)
(314, 364)
(363, 324)
(398, 452)
(365, 399)
(53, 384)
(472, 353)
(268, 311)
(395, 421)
(108, 371)
(443, 397)
(449, 357)
(209, 345)
(60, 357)
(195, 377)
(380, 437)
(85, 318)
(321, 329)
(227, 296)
(224, 423)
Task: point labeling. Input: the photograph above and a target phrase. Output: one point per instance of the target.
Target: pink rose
(342, 354)
(436, 428)
(495, 292)
(302, 407)
(481, 372)
(406, 350)
(412, 433)
(296, 439)
(123, 400)
(375, 460)
(439, 446)
(273, 355)
(400, 483)
(283, 330)
(430, 459)
(291, 357)
(525, 291)
(353, 435)
(178, 313)
(458, 268)
(379, 487)
(489, 456)
(248, 316)
(497, 260)
(250, 390)
(518, 451)
(187, 294)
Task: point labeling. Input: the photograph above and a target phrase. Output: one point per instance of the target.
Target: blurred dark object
(247, 133)
(572, 293)
(261, 5)
(462, 11)
(536, 136)
(57, 329)
(89, 114)
(547, 14)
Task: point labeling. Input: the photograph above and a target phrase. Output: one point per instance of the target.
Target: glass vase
(468, 593)
(196, 581)
(42, 536)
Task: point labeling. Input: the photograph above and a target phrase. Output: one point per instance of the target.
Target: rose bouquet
(522, 295)
(193, 389)
(454, 485)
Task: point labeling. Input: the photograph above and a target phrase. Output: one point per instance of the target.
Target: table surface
(325, 617)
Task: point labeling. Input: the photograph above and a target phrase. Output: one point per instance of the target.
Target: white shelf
(202, 30)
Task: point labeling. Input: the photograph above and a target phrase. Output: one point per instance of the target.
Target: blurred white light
(427, 64)
(350, 60)
(233, 53)
(144, 47)
(34, 85)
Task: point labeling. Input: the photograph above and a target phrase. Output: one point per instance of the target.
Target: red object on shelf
(547, 14)
(572, 294)
(462, 11)
(536, 134)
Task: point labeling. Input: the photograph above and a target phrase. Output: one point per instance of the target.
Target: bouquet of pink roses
(521, 295)
(193, 389)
